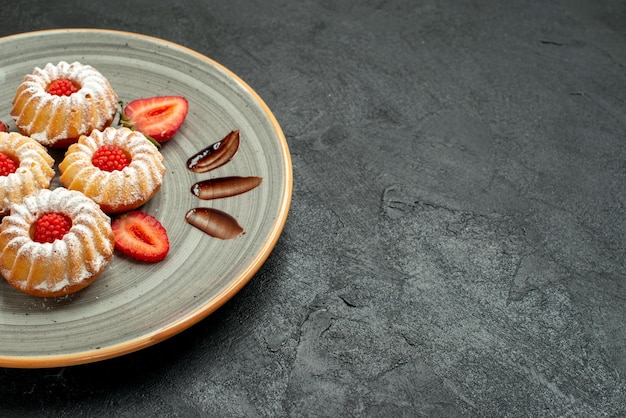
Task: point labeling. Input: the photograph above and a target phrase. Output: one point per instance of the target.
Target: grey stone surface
(456, 243)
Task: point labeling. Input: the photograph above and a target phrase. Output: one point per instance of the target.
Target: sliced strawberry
(3, 127)
(157, 117)
(140, 236)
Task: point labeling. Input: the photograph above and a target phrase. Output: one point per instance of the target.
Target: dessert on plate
(25, 167)
(54, 243)
(57, 104)
(118, 168)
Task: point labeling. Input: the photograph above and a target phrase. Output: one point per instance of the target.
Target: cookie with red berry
(118, 168)
(25, 167)
(54, 243)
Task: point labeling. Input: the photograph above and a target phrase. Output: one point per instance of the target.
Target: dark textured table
(457, 237)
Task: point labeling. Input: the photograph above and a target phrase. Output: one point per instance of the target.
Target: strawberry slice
(3, 127)
(140, 236)
(157, 117)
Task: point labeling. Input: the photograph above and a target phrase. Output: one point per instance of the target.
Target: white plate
(134, 305)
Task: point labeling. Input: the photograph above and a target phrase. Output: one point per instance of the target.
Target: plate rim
(170, 329)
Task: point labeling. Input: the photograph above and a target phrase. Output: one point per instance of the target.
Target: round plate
(133, 305)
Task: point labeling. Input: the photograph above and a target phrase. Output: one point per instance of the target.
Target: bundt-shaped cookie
(118, 190)
(61, 267)
(58, 118)
(34, 169)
